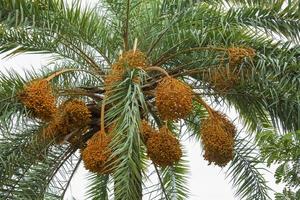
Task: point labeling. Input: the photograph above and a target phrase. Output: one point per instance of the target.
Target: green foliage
(287, 195)
(246, 170)
(283, 150)
(175, 180)
(97, 188)
(9, 105)
(126, 143)
(24, 162)
(188, 39)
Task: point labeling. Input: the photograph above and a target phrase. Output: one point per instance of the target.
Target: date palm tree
(130, 79)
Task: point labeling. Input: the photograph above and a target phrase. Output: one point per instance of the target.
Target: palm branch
(198, 43)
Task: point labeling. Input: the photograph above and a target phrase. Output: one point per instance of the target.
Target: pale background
(205, 182)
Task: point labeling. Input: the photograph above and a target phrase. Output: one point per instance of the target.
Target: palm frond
(10, 108)
(192, 123)
(245, 172)
(30, 163)
(126, 144)
(175, 180)
(274, 16)
(188, 39)
(61, 174)
(19, 148)
(62, 22)
(271, 21)
(98, 187)
(283, 151)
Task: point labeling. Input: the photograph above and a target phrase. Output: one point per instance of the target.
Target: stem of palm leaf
(57, 73)
(155, 68)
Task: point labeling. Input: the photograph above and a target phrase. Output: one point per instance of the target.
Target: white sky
(205, 183)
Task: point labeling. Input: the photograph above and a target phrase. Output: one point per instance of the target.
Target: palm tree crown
(126, 76)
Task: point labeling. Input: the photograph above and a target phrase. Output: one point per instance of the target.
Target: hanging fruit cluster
(173, 100)
(237, 55)
(72, 115)
(146, 131)
(133, 59)
(128, 60)
(67, 120)
(163, 148)
(217, 134)
(37, 96)
(224, 78)
(96, 155)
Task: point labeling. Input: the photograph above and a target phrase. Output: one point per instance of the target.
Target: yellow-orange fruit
(71, 116)
(133, 59)
(217, 136)
(225, 123)
(174, 99)
(163, 148)
(35, 149)
(37, 96)
(76, 113)
(146, 130)
(223, 79)
(96, 155)
(236, 55)
(128, 60)
(56, 130)
(113, 78)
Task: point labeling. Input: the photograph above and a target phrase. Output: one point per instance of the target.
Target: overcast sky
(206, 182)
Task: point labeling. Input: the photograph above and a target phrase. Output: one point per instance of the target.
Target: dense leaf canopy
(242, 54)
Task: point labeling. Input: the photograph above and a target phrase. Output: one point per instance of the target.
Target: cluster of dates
(173, 101)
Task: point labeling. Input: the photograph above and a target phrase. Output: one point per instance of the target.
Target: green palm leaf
(245, 172)
(187, 39)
